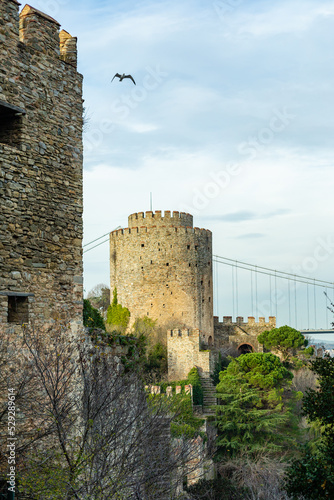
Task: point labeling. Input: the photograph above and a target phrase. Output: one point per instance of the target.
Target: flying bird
(121, 77)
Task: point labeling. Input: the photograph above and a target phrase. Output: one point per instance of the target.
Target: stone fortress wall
(162, 268)
(241, 332)
(184, 352)
(41, 111)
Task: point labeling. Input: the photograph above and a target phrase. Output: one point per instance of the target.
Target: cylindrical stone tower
(162, 268)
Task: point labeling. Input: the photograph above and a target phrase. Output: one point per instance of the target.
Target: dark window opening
(209, 299)
(142, 245)
(167, 264)
(201, 282)
(189, 265)
(151, 261)
(209, 283)
(18, 311)
(10, 124)
(188, 247)
(196, 247)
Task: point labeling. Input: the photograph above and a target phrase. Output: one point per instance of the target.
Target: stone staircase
(209, 396)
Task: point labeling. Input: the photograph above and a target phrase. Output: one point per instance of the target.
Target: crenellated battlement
(147, 229)
(227, 321)
(36, 31)
(169, 218)
(184, 332)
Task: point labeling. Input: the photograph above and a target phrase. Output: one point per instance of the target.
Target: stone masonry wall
(183, 347)
(241, 332)
(40, 170)
(162, 268)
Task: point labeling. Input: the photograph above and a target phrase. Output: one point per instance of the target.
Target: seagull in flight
(121, 77)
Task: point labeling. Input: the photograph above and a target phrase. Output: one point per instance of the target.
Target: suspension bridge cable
(270, 294)
(236, 289)
(273, 271)
(107, 234)
(233, 291)
(252, 297)
(305, 279)
(275, 295)
(296, 305)
(289, 302)
(308, 308)
(315, 309)
(256, 290)
(91, 248)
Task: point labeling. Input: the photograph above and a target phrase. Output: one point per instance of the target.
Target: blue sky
(231, 120)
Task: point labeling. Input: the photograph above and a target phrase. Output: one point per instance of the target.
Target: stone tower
(162, 268)
(40, 170)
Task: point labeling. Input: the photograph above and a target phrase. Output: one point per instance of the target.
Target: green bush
(194, 379)
(92, 317)
(117, 315)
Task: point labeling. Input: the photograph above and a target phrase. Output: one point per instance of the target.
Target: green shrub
(117, 315)
(194, 379)
(92, 317)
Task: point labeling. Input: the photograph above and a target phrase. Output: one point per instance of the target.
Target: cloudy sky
(231, 120)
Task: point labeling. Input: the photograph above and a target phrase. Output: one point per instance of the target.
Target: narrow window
(188, 247)
(142, 245)
(10, 124)
(18, 309)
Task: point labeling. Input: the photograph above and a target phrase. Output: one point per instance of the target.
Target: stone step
(209, 396)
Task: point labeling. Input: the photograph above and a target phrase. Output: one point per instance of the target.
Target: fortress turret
(162, 268)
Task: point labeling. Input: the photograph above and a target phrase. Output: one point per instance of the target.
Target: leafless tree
(88, 429)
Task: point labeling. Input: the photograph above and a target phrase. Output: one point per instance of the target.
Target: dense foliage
(285, 340)
(313, 475)
(117, 315)
(253, 412)
(92, 317)
(156, 362)
(194, 379)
